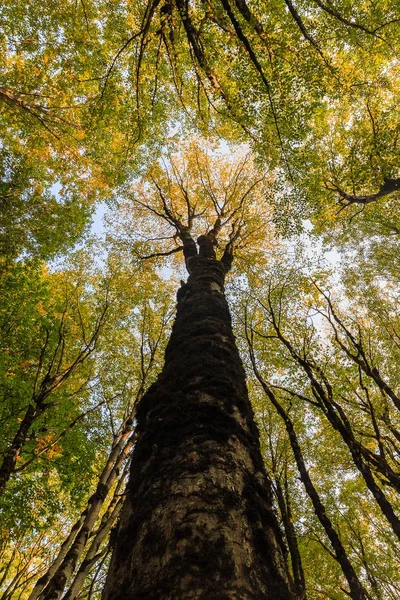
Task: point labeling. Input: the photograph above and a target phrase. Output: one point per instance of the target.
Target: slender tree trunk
(52, 584)
(339, 421)
(44, 579)
(93, 555)
(357, 591)
(197, 520)
(119, 453)
(291, 538)
(10, 459)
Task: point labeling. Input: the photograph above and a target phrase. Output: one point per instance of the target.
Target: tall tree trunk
(197, 520)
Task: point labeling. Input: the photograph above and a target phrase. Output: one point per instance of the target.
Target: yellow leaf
(40, 309)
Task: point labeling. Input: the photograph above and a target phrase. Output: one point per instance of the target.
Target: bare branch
(388, 187)
(157, 254)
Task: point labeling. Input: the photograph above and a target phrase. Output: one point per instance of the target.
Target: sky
(97, 227)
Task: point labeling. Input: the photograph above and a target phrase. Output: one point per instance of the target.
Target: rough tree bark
(197, 520)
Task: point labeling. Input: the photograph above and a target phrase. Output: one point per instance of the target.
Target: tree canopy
(273, 127)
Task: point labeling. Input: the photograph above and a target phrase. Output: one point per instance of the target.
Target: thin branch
(168, 253)
(242, 37)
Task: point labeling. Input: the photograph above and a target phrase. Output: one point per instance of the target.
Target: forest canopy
(273, 127)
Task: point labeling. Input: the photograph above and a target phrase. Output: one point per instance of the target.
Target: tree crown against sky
(198, 190)
(88, 95)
